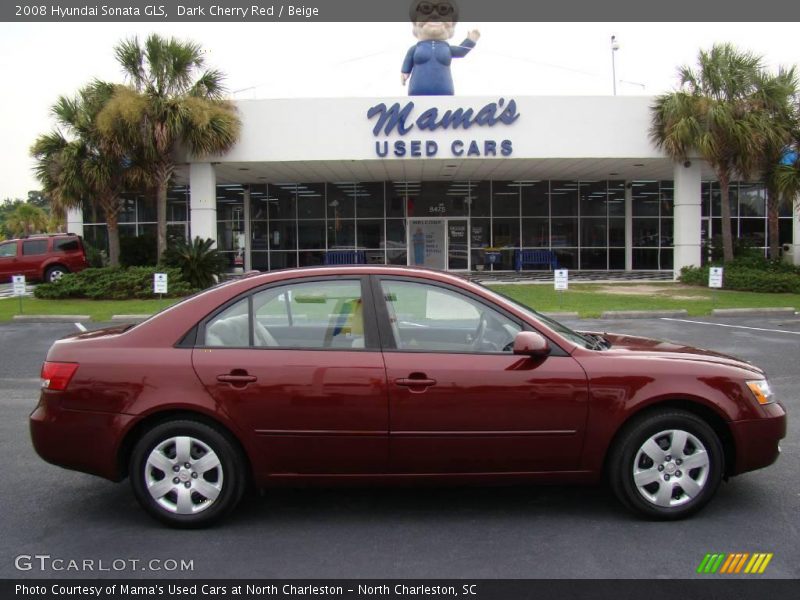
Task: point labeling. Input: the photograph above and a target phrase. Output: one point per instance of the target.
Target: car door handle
(237, 379)
(413, 382)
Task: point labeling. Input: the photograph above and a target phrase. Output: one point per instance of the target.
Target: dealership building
(449, 182)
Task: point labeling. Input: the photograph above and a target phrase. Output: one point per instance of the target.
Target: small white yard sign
(715, 277)
(159, 283)
(561, 278)
(18, 285)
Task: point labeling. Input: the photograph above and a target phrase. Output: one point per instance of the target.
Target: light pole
(614, 48)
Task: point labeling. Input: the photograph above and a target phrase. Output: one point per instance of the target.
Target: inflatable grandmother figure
(428, 62)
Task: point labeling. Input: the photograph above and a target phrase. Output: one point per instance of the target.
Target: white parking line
(732, 326)
(80, 327)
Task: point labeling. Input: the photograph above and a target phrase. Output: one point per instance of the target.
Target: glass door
(457, 245)
(427, 244)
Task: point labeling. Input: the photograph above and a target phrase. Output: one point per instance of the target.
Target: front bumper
(78, 439)
(757, 440)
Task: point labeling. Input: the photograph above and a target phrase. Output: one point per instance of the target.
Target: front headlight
(761, 391)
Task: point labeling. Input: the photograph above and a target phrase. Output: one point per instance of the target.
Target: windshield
(582, 339)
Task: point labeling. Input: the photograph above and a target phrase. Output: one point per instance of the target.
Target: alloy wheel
(183, 475)
(671, 468)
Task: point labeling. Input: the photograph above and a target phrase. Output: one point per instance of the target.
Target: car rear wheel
(55, 273)
(667, 464)
(187, 474)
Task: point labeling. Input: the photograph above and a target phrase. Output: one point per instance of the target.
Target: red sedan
(392, 374)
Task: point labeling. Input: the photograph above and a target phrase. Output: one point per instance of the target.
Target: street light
(614, 48)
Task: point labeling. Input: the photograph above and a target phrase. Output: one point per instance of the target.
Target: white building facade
(456, 183)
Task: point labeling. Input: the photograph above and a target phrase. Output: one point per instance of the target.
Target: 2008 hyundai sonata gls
(384, 373)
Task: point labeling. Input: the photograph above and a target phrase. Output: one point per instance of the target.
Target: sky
(41, 61)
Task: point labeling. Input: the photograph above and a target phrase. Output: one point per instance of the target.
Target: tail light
(57, 375)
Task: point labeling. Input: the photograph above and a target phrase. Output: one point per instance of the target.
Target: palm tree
(89, 164)
(712, 113)
(776, 103)
(787, 177)
(26, 219)
(172, 102)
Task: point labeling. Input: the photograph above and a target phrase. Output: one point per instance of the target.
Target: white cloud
(39, 62)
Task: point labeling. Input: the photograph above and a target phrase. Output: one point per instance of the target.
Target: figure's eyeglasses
(443, 9)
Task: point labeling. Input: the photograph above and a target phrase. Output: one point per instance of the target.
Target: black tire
(665, 498)
(54, 273)
(228, 478)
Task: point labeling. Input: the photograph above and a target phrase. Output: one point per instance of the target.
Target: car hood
(639, 346)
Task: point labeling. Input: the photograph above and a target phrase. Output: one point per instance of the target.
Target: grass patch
(99, 310)
(591, 299)
(587, 299)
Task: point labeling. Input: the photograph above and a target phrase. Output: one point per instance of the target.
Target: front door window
(432, 318)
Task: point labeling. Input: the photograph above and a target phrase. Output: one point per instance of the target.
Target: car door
(9, 264)
(298, 365)
(459, 400)
(33, 254)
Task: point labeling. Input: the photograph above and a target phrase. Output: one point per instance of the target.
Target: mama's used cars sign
(402, 121)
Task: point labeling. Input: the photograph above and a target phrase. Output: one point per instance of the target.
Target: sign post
(714, 282)
(19, 288)
(561, 283)
(160, 284)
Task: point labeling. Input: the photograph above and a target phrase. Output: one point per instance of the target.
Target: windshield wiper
(597, 342)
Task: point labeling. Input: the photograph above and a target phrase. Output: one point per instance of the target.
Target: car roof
(43, 236)
(321, 271)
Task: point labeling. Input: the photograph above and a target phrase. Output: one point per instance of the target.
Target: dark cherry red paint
(383, 414)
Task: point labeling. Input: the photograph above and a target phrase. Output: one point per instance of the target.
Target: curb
(784, 311)
(129, 318)
(643, 314)
(52, 318)
(561, 315)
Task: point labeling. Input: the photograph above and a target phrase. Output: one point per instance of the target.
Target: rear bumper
(757, 441)
(77, 439)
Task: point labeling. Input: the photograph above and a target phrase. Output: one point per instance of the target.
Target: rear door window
(319, 314)
(308, 315)
(32, 247)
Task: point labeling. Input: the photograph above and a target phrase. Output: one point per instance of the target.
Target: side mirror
(531, 343)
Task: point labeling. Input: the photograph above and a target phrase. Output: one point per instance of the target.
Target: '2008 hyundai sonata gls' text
(385, 373)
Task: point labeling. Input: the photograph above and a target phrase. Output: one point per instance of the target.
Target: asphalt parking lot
(519, 532)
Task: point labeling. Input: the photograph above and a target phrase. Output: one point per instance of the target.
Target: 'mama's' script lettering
(400, 118)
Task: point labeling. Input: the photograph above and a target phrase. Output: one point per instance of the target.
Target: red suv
(42, 257)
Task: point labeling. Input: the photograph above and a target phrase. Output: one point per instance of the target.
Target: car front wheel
(667, 464)
(186, 474)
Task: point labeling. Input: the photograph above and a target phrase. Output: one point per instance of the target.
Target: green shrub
(198, 262)
(749, 275)
(694, 276)
(742, 248)
(112, 284)
(753, 280)
(138, 251)
(93, 256)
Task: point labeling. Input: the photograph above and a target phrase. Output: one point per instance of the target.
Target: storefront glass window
(535, 198)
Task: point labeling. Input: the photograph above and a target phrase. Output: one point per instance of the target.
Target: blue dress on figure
(429, 65)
